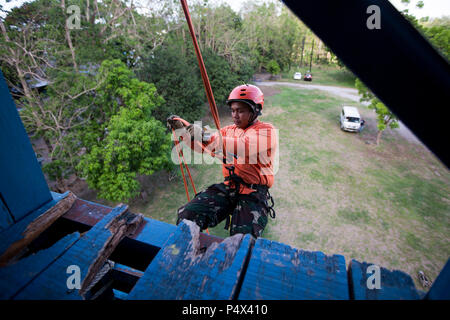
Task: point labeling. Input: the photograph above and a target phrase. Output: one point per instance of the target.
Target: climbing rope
(204, 74)
(183, 162)
(206, 83)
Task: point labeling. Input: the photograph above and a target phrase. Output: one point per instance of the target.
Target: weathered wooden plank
(22, 183)
(89, 254)
(120, 295)
(120, 227)
(394, 285)
(14, 232)
(151, 232)
(36, 227)
(181, 270)
(440, 289)
(155, 232)
(128, 270)
(279, 272)
(124, 277)
(17, 276)
(87, 212)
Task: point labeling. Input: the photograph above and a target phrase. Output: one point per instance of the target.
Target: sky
(432, 8)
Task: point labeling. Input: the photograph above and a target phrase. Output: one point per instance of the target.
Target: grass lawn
(326, 75)
(338, 192)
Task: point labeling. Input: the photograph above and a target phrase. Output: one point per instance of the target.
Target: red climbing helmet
(249, 94)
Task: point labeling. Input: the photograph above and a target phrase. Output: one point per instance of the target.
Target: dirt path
(347, 93)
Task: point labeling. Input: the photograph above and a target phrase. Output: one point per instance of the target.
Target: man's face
(241, 114)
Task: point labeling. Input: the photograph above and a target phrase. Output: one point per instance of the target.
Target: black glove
(195, 131)
(174, 124)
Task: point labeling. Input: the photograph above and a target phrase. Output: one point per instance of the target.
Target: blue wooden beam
(277, 271)
(155, 233)
(440, 289)
(52, 283)
(22, 183)
(181, 271)
(119, 295)
(5, 216)
(17, 276)
(15, 231)
(394, 285)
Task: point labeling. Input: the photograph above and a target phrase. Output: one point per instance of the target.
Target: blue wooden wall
(22, 184)
(5, 216)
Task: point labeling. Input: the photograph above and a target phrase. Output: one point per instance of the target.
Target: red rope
(208, 89)
(181, 165)
(183, 162)
(204, 74)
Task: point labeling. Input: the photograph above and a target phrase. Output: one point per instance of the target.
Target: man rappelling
(249, 146)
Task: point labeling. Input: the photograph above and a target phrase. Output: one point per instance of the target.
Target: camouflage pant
(213, 205)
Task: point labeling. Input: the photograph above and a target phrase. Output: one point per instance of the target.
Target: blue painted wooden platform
(278, 271)
(164, 261)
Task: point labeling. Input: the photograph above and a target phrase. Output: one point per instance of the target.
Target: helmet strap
(253, 118)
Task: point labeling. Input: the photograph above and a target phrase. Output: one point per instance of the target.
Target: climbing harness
(233, 193)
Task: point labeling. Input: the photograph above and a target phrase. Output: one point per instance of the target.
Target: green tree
(385, 118)
(439, 36)
(176, 77)
(275, 33)
(131, 141)
(273, 67)
(222, 78)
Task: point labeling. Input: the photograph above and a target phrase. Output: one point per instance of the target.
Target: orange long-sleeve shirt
(255, 147)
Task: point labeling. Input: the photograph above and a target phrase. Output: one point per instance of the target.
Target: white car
(350, 119)
(297, 76)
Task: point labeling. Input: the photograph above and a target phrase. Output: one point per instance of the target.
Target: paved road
(347, 93)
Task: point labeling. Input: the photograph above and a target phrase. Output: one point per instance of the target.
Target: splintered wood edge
(230, 244)
(194, 246)
(37, 226)
(123, 225)
(43, 221)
